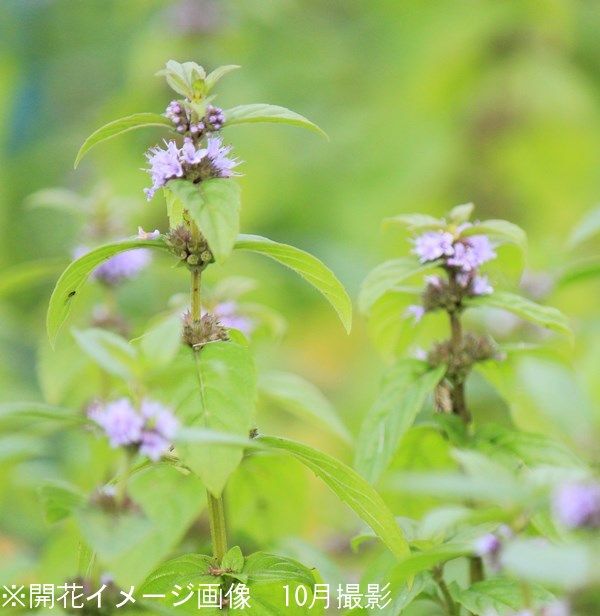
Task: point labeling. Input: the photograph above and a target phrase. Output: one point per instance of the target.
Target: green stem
(218, 529)
(476, 569)
(451, 607)
(216, 511)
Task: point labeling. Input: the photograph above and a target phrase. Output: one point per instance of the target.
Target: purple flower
(159, 418)
(121, 423)
(432, 245)
(122, 266)
(416, 311)
(215, 117)
(154, 446)
(471, 252)
(229, 316)
(164, 165)
(481, 286)
(488, 545)
(217, 153)
(577, 505)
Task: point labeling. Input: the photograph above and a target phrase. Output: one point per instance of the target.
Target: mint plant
(176, 405)
(482, 554)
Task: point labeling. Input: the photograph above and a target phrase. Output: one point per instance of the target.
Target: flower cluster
(577, 505)
(461, 257)
(197, 333)
(123, 266)
(190, 162)
(149, 430)
(181, 117)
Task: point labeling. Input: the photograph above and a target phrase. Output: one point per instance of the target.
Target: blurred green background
(426, 104)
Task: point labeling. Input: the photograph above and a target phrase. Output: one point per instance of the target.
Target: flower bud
(197, 333)
(189, 248)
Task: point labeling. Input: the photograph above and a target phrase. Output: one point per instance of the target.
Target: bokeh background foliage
(426, 104)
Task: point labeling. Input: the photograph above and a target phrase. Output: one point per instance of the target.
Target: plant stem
(216, 511)
(218, 529)
(475, 569)
(459, 405)
(451, 607)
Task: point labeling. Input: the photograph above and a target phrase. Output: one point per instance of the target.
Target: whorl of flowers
(577, 505)
(149, 429)
(461, 257)
(190, 162)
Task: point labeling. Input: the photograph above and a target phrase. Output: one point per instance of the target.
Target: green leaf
(261, 112)
(545, 316)
(500, 232)
(416, 222)
(263, 568)
(221, 396)
(110, 351)
(60, 501)
(387, 277)
(586, 229)
(189, 568)
(233, 560)
(497, 596)
(59, 199)
(76, 274)
(187, 78)
(302, 398)
(461, 213)
(307, 266)
(217, 74)
(350, 488)
(424, 560)
(403, 394)
(120, 126)
(214, 205)
(579, 270)
(37, 411)
(569, 566)
(162, 341)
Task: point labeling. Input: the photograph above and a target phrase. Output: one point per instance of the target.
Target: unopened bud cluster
(183, 118)
(473, 348)
(190, 248)
(198, 332)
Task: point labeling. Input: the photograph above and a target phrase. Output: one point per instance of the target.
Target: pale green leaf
(73, 278)
(461, 213)
(350, 488)
(217, 74)
(587, 228)
(110, 351)
(307, 266)
(500, 232)
(387, 277)
(58, 199)
(23, 277)
(60, 500)
(120, 126)
(263, 568)
(214, 205)
(302, 398)
(416, 222)
(545, 316)
(233, 560)
(402, 396)
(37, 411)
(262, 112)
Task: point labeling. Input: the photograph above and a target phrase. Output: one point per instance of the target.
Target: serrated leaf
(262, 112)
(73, 278)
(233, 560)
(403, 394)
(350, 488)
(307, 266)
(545, 316)
(498, 595)
(218, 73)
(214, 205)
(110, 351)
(264, 568)
(387, 277)
(303, 399)
(222, 393)
(120, 126)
